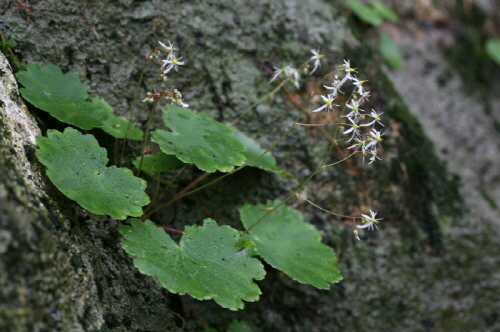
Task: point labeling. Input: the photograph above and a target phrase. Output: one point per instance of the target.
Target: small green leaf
(206, 264)
(195, 138)
(62, 95)
(291, 245)
(390, 51)
(384, 11)
(267, 162)
(239, 326)
(493, 49)
(77, 167)
(158, 163)
(365, 13)
(118, 126)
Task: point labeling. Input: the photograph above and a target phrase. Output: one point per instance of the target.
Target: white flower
(289, 71)
(376, 117)
(374, 156)
(356, 235)
(328, 103)
(348, 70)
(364, 95)
(316, 57)
(369, 221)
(361, 144)
(335, 86)
(277, 72)
(359, 84)
(170, 48)
(355, 108)
(354, 128)
(293, 74)
(376, 138)
(171, 62)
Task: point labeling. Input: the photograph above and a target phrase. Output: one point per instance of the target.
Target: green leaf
(117, 126)
(77, 167)
(390, 51)
(267, 162)
(493, 49)
(195, 138)
(206, 264)
(291, 245)
(384, 11)
(62, 95)
(241, 326)
(158, 163)
(365, 13)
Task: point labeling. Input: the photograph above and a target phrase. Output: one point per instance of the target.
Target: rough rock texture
(53, 277)
(461, 121)
(432, 266)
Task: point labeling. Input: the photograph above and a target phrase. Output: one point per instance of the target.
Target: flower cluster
(171, 62)
(365, 141)
(367, 144)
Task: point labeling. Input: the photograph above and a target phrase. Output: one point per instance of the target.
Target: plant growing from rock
(210, 261)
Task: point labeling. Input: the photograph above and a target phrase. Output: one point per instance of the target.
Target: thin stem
(303, 110)
(146, 133)
(134, 101)
(319, 207)
(258, 102)
(341, 160)
(132, 108)
(115, 151)
(196, 313)
(180, 194)
(340, 115)
(155, 195)
(318, 169)
(295, 192)
(316, 124)
(171, 230)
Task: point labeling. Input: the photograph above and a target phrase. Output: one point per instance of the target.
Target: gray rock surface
(434, 264)
(453, 116)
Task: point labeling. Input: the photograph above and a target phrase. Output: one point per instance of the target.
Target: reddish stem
(182, 192)
(171, 230)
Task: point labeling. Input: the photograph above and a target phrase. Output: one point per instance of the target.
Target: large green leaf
(267, 162)
(62, 95)
(77, 166)
(291, 245)
(195, 138)
(208, 263)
